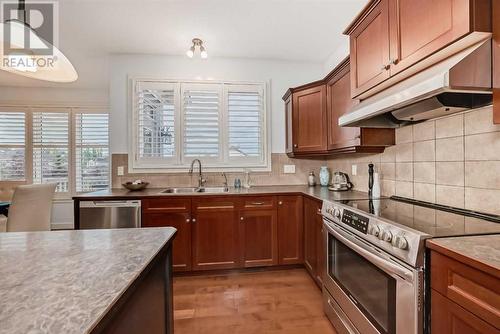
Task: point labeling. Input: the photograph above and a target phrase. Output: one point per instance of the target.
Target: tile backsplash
(275, 177)
(453, 160)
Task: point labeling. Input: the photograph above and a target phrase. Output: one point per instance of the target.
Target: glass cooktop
(436, 220)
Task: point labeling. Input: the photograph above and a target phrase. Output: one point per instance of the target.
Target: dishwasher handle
(108, 204)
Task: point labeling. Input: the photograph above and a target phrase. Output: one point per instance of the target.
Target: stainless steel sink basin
(180, 190)
(189, 190)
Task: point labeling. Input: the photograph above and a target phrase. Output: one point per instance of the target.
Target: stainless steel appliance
(110, 214)
(448, 87)
(340, 182)
(376, 268)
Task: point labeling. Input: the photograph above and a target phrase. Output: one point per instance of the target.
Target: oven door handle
(370, 255)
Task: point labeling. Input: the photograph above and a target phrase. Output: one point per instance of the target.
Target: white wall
(337, 56)
(280, 74)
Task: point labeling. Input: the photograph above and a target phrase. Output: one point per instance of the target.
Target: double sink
(193, 190)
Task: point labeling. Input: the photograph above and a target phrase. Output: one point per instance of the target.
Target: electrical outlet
(120, 171)
(289, 169)
(354, 170)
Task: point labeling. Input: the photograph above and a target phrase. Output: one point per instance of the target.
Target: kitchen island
(87, 281)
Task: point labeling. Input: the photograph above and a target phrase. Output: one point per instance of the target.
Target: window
(92, 152)
(67, 146)
(12, 145)
(223, 124)
(51, 148)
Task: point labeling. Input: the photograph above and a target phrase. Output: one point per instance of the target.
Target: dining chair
(30, 209)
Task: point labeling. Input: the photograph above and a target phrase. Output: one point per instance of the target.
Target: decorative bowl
(135, 186)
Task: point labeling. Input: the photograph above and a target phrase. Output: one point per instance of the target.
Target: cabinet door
(309, 120)
(450, 318)
(339, 102)
(215, 233)
(420, 28)
(312, 209)
(369, 43)
(290, 230)
(289, 125)
(181, 249)
(259, 235)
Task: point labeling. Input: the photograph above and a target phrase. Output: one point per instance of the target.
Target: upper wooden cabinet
(312, 112)
(305, 109)
(339, 102)
(390, 36)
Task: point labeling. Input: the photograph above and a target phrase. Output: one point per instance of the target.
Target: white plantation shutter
(51, 148)
(246, 126)
(201, 110)
(223, 124)
(155, 120)
(92, 151)
(12, 146)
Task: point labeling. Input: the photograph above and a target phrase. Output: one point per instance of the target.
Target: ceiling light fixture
(197, 43)
(54, 67)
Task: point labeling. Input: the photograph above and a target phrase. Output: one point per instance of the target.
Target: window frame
(71, 110)
(182, 163)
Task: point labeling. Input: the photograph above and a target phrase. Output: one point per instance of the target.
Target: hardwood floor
(277, 302)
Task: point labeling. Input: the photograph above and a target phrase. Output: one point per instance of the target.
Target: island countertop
(67, 281)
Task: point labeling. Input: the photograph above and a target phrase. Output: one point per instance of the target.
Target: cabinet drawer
(259, 202)
(470, 288)
(166, 204)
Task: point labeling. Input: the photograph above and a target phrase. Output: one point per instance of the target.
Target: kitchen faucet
(201, 180)
(226, 187)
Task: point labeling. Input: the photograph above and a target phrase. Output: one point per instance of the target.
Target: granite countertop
(66, 281)
(481, 252)
(320, 193)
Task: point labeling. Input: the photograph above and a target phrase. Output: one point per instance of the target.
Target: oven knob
(400, 242)
(374, 230)
(336, 213)
(387, 236)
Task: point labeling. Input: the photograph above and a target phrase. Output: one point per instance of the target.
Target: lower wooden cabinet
(229, 232)
(450, 318)
(290, 229)
(259, 237)
(464, 299)
(313, 241)
(175, 213)
(215, 233)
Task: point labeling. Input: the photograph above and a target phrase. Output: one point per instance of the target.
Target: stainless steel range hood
(462, 81)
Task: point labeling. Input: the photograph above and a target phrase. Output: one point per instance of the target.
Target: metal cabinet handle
(241, 218)
(188, 220)
(193, 220)
(280, 203)
(394, 61)
(385, 67)
(295, 145)
(257, 203)
(319, 212)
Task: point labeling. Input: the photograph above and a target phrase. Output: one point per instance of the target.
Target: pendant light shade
(55, 67)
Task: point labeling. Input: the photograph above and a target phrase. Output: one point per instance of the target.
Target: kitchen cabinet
(305, 108)
(389, 36)
(339, 102)
(464, 299)
(312, 112)
(290, 230)
(215, 233)
(174, 212)
(313, 243)
(259, 232)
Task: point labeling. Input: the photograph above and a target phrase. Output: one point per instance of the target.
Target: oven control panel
(355, 221)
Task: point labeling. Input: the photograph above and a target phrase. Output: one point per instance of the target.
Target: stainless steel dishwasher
(110, 214)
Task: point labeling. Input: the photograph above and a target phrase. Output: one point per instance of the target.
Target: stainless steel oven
(366, 290)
